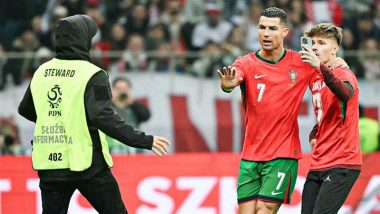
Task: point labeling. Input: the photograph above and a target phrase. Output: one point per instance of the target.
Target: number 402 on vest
(55, 157)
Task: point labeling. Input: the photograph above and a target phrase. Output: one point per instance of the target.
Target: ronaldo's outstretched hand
(228, 80)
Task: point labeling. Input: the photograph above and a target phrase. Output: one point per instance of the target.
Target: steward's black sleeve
(26, 107)
(98, 102)
(142, 112)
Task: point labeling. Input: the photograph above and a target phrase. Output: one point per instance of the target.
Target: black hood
(73, 36)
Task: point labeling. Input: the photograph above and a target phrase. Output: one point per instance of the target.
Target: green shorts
(272, 181)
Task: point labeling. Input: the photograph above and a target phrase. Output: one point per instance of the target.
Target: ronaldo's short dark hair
(273, 12)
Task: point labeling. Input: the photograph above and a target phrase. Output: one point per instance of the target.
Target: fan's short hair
(327, 30)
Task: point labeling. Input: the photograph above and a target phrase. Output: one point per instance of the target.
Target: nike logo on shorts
(275, 193)
(259, 76)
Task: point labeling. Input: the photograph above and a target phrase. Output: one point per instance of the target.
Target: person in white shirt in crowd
(214, 28)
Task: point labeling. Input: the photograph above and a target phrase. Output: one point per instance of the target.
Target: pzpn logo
(54, 99)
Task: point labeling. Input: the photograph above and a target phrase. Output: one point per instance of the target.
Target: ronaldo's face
(325, 48)
(271, 33)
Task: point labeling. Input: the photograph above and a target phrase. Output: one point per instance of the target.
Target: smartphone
(307, 41)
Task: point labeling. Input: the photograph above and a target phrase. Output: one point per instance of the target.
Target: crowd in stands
(191, 37)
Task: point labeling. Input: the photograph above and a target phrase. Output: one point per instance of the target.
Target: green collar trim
(269, 61)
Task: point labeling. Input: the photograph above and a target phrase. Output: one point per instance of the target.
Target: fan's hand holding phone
(307, 42)
(309, 56)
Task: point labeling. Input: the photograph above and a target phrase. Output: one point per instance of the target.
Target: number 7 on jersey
(261, 87)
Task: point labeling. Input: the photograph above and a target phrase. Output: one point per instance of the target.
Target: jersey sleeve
(348, 77)
(240, 66)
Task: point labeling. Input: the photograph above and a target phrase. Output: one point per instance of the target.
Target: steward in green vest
(368, 132)
(69, 99)
(61, 137)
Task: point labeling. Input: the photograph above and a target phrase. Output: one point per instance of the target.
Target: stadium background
(172, 69)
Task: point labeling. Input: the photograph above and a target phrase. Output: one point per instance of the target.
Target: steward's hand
(227, 78)
(160, 145)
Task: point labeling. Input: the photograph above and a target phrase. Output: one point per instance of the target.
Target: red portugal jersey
(338, 132)
(272, 93)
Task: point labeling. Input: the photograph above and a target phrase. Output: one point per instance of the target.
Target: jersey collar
(270, 61)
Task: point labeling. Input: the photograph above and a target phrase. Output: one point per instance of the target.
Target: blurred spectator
(16, 15)
(28, 42)
(252, 27)
(158, 40)
(117, 11)
(371, 59)
(95, 13)
(134, 57)
(366, 28)
(214, 28)
(161, 61)
(210, 61)
(139, 21)
(369, 133)
(194, 11)
(37, 27)
(74, 6)
(377, 16)
(9, 144)
(133, 112)
(285, 5)
(46, 37)
(154, 10)
(234, 46)
(42, 55)
(348, 45)
(235, 10)
(353, 7)
(157, 35)
(299, 23)
(324, 11)
(165, 61)
(171, 6)
(116, 41)
(17, 67)
(118, 37)
(174, 26)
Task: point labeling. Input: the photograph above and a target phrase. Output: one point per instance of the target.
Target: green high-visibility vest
(61, 137)
(369, 132)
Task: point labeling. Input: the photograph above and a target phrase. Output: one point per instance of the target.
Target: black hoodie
(73, 37)
(73, 42)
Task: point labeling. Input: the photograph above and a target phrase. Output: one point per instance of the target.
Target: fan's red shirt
(272, 94)
(338, 141)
